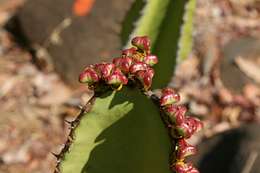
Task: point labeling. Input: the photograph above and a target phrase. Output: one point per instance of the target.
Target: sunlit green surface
(123, 133)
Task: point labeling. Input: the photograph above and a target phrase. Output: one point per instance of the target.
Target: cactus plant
(122, 130)
(168, 24)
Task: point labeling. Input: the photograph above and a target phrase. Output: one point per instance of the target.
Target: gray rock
(234, 151)
(71, 41)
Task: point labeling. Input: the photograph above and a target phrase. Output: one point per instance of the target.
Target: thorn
(154, 97)
(57, 170)
(55, 155)
(80, 107)
(70, 138)
(70, 128)
(69, 122)
(58, 160)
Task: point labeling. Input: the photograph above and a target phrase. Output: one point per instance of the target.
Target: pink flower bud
(149, 72)
(169, 98)
(187, 128)
(129, 52)
(147, 82)
(107, 69)
(150, 60)
(116, 61)
(98, 69)
(123, 63)
(89, 76)
(167, 91)
(181, 167)
(117, 78)
(145, 77)
(194, 170)
(176, 114)
(139, 66)
(194, 123)
(182, 131)
(104, 69)
(142, 43)
(184, 149)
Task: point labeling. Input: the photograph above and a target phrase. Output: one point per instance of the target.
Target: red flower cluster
(134, 64)
(182, 127)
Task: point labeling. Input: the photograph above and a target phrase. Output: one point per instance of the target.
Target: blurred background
(44, 44)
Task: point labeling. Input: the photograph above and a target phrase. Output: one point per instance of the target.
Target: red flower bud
(194, 123)
(187, 128)
(176, 114)
(142, 43)
(145, 77)
(116, 61)
(181, 131)
(149, 72)
(117, 78)
(139, 66)
(169, 98)
(147, 82)
(184, 149)
(181, 167)
(194, 170)
(123, 63)
(167, 91)
(105, 69)
(129, 52)
(98, 68)
(150, 60)
(89, 76)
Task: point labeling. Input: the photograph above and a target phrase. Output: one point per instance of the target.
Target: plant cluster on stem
(135, 66)
(181, 128)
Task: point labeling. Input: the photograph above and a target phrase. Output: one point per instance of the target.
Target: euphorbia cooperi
(135, 65)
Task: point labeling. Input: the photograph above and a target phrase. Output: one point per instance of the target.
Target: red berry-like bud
(181, 167)
(98, 68)
(194, 170)
(123, 63)
(105, 69)
(150, 60)
(181, 131)
(147, 82)
(145, 77)
(116, 61)
(89, 76)
(176, 114)
(167, 91)
(129, 52)
(187, 129)
(184, 149)
(117, 78)
(169, 98)
(194, 123)
(149, 72)
(142, 43)
(139, 66)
